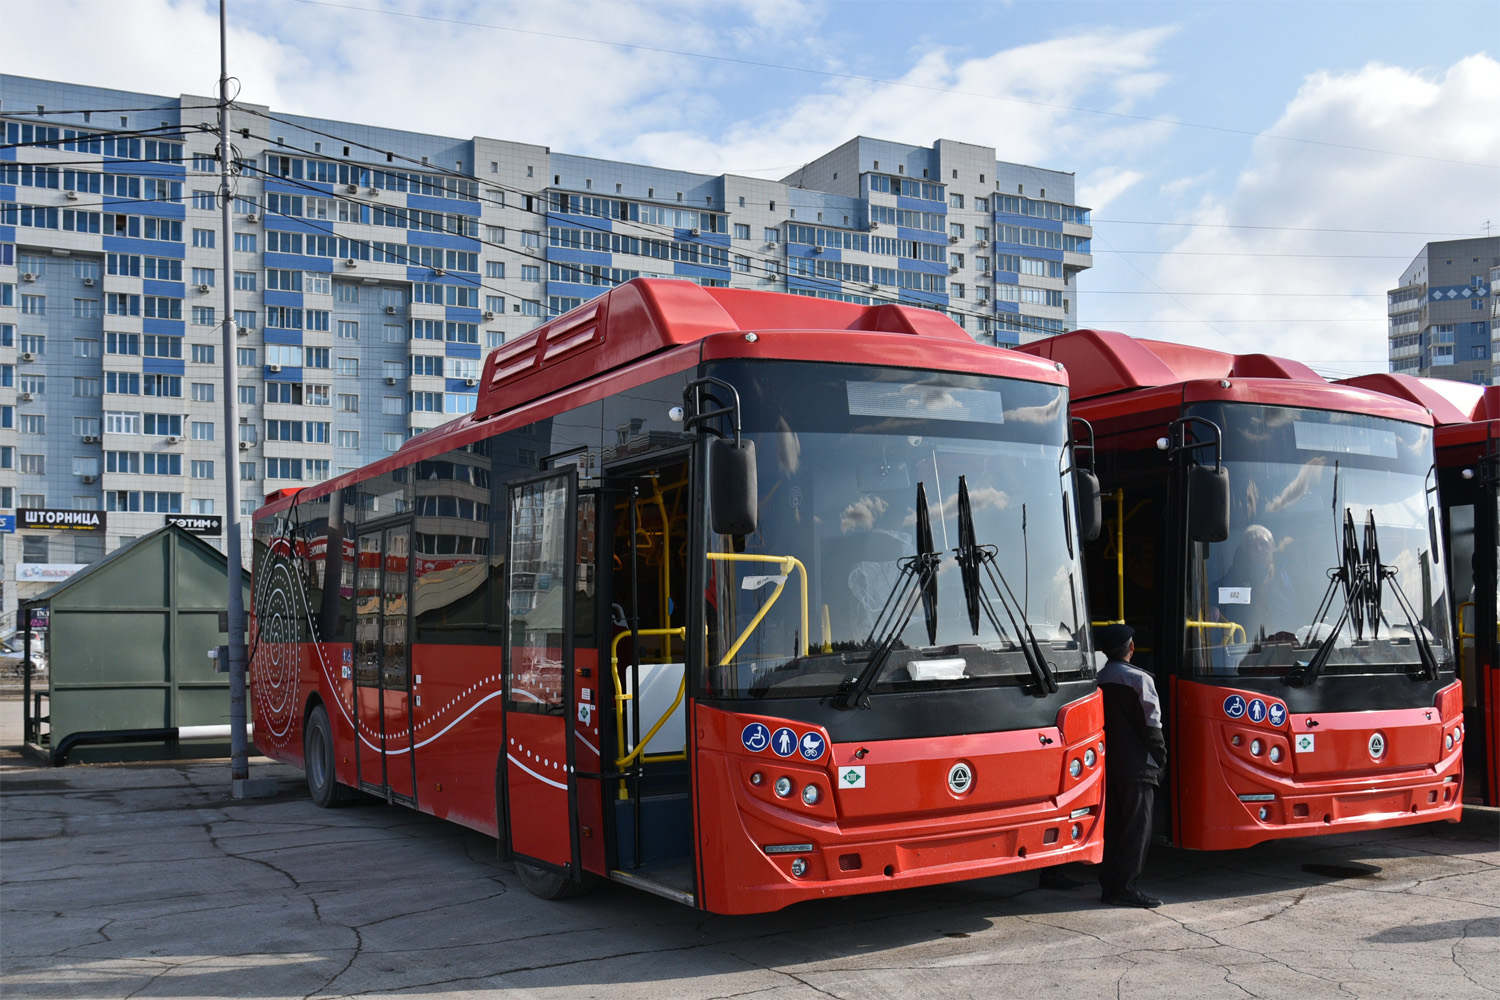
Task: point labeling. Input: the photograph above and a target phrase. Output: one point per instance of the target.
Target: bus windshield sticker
(1303, 743)
(1344, 439)
(812, 746)
(927, 402)
(852, 777)
(784, 742)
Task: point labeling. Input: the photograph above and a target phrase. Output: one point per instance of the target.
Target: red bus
(742, 598)
(1272, 538)
(1468, 472)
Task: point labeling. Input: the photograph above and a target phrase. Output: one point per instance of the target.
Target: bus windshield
(795, 610)
(1316, 495)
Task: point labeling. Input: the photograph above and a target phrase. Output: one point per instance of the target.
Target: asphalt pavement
(150, 880)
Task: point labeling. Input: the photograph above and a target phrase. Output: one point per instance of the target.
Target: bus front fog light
(1075, 767)
(1256, 747)
(783, 786)
(1076, 831)
(799, 867)
(1089, 757)
(810, 795)
(1265, 812)
(1275, 755)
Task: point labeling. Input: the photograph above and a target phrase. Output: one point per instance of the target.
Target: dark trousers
(1127, 834)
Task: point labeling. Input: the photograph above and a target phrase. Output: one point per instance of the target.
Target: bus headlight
(783, 786)
(1075, 767)
(1089, 757)
(810, 795)
(1256, 747)
(1275, 755)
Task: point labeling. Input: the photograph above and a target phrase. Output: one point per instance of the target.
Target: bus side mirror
(733, 491)
(1090, 508)
(1208, 503)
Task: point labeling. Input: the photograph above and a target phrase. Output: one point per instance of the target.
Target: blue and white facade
(1440, 317)
(372, 268)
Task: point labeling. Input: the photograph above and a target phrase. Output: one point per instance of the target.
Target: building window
(203, 238)
(244, 242)
(203, 392)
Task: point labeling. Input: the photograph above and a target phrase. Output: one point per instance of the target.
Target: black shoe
(1131, 897)
(1051, 878)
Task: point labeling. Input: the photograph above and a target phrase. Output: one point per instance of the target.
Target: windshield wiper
(1363, 576)
(971, 556)
(917, 583)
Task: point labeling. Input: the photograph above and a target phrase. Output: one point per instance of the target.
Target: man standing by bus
(1137, 763)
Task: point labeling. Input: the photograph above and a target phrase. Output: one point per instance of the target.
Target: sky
(1260, 173)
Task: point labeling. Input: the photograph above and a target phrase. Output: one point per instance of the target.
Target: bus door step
(666, 828)
(393, 798)
(674, 882)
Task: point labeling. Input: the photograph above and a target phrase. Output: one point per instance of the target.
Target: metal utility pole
(239, 759)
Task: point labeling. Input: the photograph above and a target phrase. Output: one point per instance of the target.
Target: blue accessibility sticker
(1257, 710)
(784, 742)
(811, 746)
(1276, 713)
(756, 737)
(1234, 706)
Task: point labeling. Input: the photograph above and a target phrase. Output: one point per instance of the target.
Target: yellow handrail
(1231, 627)
(621, 697)
(1463, 663)
(787, 563)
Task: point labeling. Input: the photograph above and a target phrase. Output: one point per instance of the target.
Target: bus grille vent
(850, 863)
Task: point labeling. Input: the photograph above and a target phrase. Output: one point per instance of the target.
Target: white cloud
(1446, 121)
(941, 97)
(1105, 185)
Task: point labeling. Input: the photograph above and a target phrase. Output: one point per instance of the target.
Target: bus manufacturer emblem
(960, 778)
(1377, 745)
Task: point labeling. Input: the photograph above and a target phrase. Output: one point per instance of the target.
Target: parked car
(12, 655)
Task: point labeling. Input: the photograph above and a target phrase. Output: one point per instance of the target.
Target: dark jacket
(1132, 724)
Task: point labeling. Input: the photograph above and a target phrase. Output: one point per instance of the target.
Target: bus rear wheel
(548, 884)
(317, 759)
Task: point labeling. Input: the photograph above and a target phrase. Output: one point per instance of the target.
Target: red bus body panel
(1335, 786)
(1017, 815)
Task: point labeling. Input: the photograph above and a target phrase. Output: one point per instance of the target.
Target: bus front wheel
(317, 759)
(548, 884)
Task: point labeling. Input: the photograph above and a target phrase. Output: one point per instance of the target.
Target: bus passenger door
(539, 787)
(643, 664)
(382, 665)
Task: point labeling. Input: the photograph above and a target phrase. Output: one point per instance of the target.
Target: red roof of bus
(1100, 362)
(1103, 364)
(658, 318)
(1450, 402)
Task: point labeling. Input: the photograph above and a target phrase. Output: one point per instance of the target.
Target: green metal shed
(128, 641)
